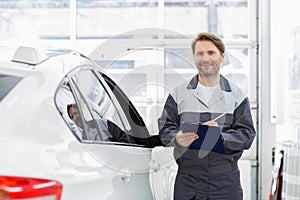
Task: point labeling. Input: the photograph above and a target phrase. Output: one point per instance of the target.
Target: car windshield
(7, 83)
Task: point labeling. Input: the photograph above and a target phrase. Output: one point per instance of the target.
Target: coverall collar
(224, 84)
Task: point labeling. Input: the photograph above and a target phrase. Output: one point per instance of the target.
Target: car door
(107, 136)
(163, 167)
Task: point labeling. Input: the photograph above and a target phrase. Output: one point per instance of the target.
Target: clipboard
(210, 138)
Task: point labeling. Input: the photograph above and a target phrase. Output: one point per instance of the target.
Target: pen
(215, 119)
(191, 122)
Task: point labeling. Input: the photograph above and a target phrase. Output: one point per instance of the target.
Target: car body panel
(36, 142)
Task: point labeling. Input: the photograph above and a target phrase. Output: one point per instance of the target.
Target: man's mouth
(206, 66)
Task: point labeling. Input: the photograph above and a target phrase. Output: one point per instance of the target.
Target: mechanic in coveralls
(204, 174)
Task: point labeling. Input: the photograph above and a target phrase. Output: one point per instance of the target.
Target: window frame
(79, 99)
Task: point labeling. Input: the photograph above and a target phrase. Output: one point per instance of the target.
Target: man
(206, 174)
(106, 129)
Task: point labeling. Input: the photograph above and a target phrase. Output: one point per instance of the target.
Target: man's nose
(205, 56)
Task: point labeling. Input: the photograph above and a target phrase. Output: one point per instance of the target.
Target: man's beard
(210, 73)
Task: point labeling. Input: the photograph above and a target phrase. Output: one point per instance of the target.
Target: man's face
(75, 116)
(207, 58)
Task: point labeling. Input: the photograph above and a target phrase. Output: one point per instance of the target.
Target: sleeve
(169, 122)
(117, 134)
(242, 133)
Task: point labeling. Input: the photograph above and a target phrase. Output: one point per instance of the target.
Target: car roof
(14, 69)
(49, 69)
(26, 59)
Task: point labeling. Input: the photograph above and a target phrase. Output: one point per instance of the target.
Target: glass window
(32, 20)
(179, 58)
(193, 16)
(68, 108)
(7, 83)
(236, 68)
(138, 129)
(232, 19)
(228, 19)
(116, 64)
(104, 120)
(129, 82)
(104, 19)
(88, 109)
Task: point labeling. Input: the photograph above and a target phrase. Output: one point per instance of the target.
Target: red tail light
(28, 188)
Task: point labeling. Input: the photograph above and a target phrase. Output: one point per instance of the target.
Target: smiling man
(212, 100)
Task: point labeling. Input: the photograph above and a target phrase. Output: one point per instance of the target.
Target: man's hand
(186, 138)
(211, 123)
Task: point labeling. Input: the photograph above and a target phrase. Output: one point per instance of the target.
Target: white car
(68, 132)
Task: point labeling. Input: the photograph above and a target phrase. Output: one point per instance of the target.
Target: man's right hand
(186, 138)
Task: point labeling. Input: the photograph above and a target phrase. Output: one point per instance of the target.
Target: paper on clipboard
(209, 137)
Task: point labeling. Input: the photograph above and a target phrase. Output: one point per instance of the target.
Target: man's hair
(69, 106)
(210, 37)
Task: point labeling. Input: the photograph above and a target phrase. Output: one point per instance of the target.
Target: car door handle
(155, 166)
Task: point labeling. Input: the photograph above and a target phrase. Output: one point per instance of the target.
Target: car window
(64, 99)
(7, 83)
(90, 111)
(97, 98)
(139, 131)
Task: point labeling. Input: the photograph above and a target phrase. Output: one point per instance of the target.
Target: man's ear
(222, 57)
